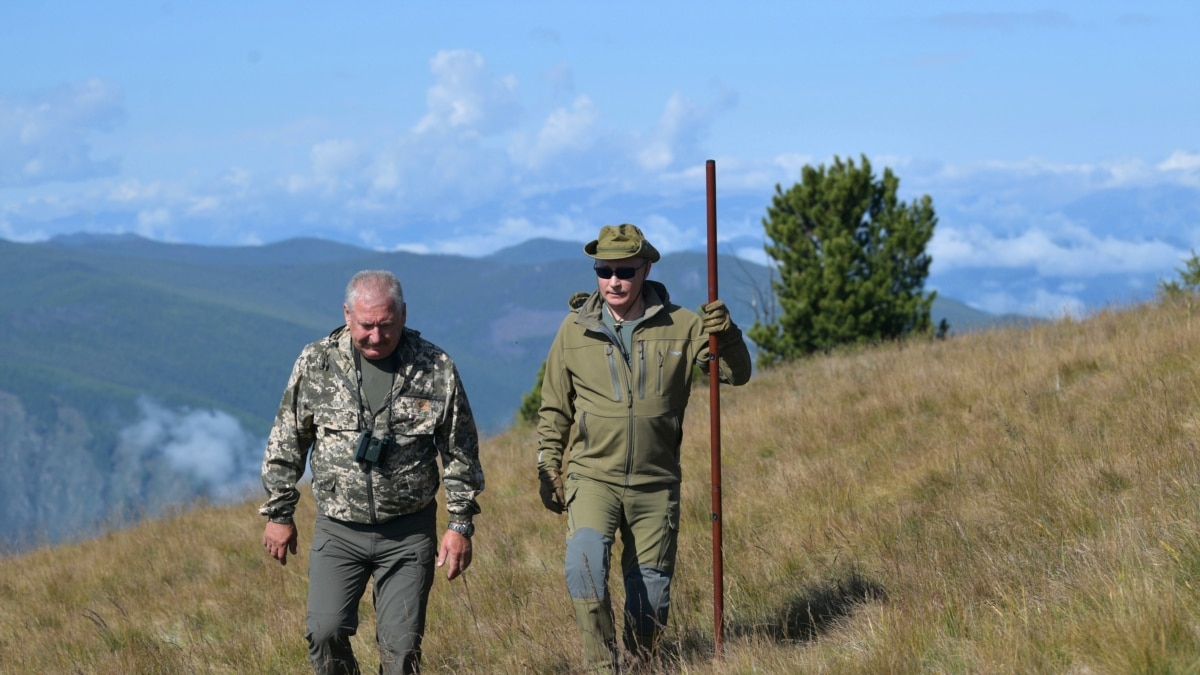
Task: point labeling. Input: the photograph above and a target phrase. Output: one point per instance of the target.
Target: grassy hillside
(1011, 501)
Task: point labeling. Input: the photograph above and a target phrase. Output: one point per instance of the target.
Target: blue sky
(1060, 141)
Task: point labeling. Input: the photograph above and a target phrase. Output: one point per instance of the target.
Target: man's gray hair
(374, 282)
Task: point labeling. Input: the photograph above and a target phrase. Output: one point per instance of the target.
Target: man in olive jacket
(617, 382)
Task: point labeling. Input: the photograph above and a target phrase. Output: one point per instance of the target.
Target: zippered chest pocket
(672, 367)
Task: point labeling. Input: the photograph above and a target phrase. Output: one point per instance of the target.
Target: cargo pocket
(331, 420)
(337, 431)
(570, 489)
(670, 531)
(323, 488)
(318, 544)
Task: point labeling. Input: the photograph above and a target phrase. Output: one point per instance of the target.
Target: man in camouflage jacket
(618, 377)
(372, 406)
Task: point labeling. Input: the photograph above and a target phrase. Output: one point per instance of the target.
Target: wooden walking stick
(714, 405)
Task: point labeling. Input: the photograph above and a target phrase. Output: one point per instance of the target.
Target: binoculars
(371, 449)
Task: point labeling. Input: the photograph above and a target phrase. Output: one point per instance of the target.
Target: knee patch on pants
(648, 597)
(587, 564)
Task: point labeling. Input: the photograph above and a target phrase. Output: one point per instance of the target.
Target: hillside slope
(105, 336)
(1010, 501)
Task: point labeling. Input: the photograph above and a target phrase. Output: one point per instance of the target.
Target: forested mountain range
(136, 374)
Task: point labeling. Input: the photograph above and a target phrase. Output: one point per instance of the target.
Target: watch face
(465, 529)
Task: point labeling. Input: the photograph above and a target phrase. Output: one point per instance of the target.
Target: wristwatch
(465, 529)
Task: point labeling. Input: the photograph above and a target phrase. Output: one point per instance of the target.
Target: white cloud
(239, 178)
(656, 156)
(386, 174)
(740, 174)
(335, 163)
(754, 254)
(1071, 179)
(566, 129)
(465, 156)
(508, 232)
(247, 238)
(467, 97)
(680, 128)
(134, 190)
(792, 163)
(464, 176)
(21, 235)
(1041, 303)
(562, 227)
(1181, 161)
(420, 249)
(46, 139)
(152, 223)
(336, 166)
(1071, 251)
(666, 235)
(296, 184)
(202, 205)
(679, 125)
(1183, 166)
(209, 446)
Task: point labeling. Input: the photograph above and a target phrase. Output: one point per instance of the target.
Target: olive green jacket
(623, 423)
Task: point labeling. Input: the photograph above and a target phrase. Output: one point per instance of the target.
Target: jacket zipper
(614, 372)
(356, 391)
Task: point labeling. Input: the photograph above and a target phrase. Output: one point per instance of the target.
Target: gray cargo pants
(647, 520)
(400, 555)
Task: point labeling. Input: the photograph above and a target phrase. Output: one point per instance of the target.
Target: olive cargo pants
(400, 555)
(647, 519)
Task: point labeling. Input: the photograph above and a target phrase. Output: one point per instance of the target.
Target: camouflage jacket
(428, 414)
(619, 422)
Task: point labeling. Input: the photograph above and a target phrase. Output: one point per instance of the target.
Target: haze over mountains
(135, 374)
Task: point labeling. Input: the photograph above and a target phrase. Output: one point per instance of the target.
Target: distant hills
(124, 360)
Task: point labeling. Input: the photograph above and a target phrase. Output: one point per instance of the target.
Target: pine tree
(1186, 285)
(850, 259)
(531, 402)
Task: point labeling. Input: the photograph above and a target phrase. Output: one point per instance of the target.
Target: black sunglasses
(621, 272)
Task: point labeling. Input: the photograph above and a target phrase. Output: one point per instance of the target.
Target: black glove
(551, 490)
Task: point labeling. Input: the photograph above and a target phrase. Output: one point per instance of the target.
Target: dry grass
(1023, 500)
